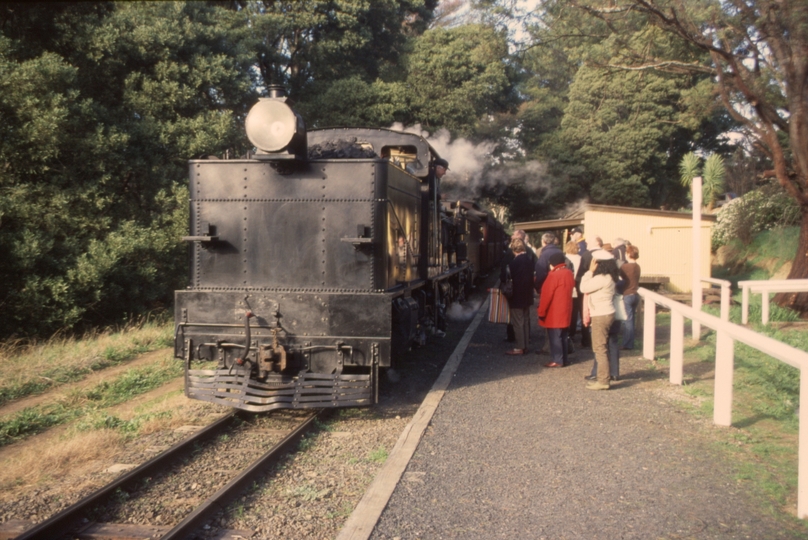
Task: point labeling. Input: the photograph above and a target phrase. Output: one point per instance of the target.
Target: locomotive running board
(304, 391)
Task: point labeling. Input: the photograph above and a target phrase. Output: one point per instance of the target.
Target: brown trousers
(600, 345)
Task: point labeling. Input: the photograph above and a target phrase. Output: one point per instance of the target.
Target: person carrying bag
(521, 272)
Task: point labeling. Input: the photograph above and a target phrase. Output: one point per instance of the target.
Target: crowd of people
(586, 287)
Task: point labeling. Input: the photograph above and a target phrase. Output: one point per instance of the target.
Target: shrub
(761, 210)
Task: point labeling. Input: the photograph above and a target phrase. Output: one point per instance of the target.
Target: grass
(379, 455)
(87, 405)
(763, 438)
(32, 368)
(762, 442)
(759, 260)
(98, 419)
(91, 439)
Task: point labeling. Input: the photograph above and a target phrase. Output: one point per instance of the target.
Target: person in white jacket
(598, 284)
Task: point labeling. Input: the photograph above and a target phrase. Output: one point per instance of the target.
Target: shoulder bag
(507, 287)
(619, 308)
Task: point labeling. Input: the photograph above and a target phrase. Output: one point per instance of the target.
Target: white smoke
(462, 312)
(473, 168)
(576, 208)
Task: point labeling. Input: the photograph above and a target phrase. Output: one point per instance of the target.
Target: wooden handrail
(765, 287)
(726, 335)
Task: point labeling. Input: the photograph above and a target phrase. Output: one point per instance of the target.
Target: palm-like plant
(712, 180)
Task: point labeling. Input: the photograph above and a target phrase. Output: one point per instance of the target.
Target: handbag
(619, 308)
(498, 310)
(507, 288)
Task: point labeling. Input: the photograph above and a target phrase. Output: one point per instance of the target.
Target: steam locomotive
(315, 258)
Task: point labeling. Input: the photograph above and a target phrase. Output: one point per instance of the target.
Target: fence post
(765, 298)
(725, 296)
(695, 186)
(724, 365)
(744, 302)
(802, 449)
(649, 328)
(677, 346)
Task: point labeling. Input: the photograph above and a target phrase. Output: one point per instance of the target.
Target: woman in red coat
(555, 308)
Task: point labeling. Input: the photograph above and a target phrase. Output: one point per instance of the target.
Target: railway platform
(504, 447)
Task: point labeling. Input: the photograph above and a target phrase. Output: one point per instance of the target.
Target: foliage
(100, 114)
(457, 76)
(689, 168)
(450, 79)
(712, 186)
(757, 57)
(764, 209)
(306, 45)
(619, 125)
(609, 134)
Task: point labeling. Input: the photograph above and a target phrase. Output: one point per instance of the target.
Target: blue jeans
(631, 301)
(558, 345)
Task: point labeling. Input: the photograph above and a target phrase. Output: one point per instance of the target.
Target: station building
(664, 238)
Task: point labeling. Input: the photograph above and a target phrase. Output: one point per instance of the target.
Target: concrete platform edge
(363, 519)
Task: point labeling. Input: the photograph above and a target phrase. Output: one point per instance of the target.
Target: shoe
(597, 386)
(613, 378)
(553, 364)
(515, 352)
(591, 377)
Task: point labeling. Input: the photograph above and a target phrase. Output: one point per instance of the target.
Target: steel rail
(227, 493)
(61, 523)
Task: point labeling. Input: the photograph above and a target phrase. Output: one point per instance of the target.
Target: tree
(758, 57)
(307, 45)
(712, 185)
(457, 77)
(625, 129)
(101, 105)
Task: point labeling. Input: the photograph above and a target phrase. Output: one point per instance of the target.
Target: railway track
(76, 521)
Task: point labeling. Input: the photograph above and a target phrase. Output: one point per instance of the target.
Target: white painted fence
(726, 287)
(727, 333)
(766, 287)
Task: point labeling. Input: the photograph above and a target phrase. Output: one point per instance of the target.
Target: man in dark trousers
(520, 235)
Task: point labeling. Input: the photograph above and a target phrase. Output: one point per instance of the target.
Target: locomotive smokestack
(277, 91)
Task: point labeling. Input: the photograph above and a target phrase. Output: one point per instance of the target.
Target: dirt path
(59, 393)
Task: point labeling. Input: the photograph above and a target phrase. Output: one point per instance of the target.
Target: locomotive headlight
(271, 125)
